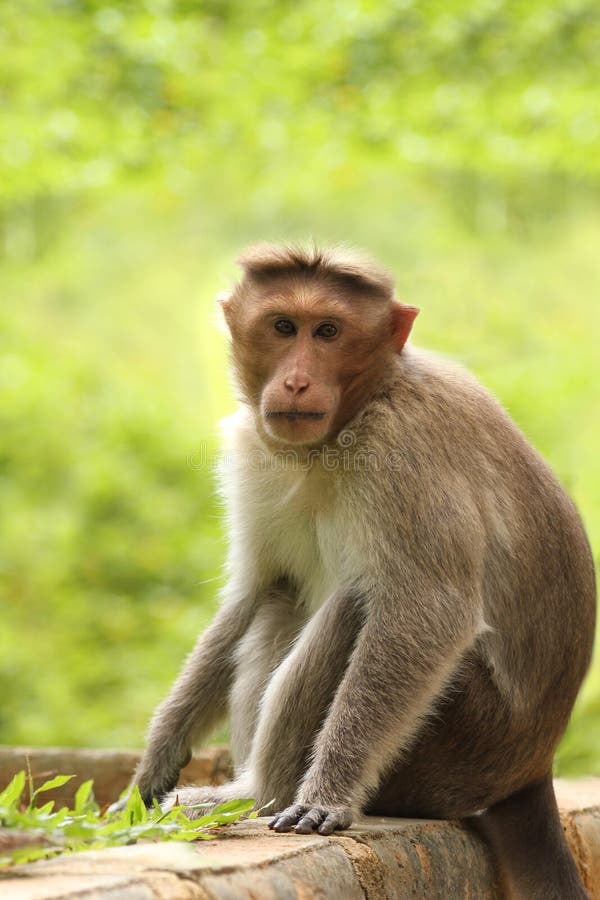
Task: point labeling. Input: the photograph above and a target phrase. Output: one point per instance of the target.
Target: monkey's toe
(288, 818)
(336, 819)
(306, 819)
(325, 820)
(311, 821)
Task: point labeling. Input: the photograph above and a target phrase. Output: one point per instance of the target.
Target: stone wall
(378, 859)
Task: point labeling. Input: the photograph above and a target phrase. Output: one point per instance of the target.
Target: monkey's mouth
(293, 414)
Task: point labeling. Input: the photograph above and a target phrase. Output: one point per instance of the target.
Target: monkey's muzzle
(293, 414)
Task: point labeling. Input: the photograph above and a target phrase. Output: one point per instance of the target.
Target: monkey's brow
(298, 306)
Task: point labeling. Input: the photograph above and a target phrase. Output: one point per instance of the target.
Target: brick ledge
(376, 859)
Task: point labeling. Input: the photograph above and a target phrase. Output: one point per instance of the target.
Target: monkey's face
(301, 371)
(305, 357)
(302, 389)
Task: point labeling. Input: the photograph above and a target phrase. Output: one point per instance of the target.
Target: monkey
(410, 599)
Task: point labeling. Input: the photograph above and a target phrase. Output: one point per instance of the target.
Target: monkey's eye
(327, 330)
(285, 326)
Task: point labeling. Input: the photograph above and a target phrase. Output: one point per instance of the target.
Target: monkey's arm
(198, 699)
(405, 653)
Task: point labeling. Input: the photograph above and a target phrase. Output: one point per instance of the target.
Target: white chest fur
(284, 516)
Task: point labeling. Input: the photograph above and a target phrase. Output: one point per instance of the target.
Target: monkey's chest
(300, 542)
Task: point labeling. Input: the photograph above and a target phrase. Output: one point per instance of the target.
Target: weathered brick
(377, 859)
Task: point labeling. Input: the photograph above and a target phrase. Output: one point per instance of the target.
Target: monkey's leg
(526, 834)
(292, 710)
(297, 697)
(270, 635)
(402, 660)
(198, 699)
(268, 639)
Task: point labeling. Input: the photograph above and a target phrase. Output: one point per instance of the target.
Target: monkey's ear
(403, 317)
(224, 299)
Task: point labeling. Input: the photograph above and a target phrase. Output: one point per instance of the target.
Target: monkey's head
(313, 334)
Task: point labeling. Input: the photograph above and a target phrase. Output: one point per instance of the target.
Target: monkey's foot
(190, 797)
(305, 819)
(209, 796)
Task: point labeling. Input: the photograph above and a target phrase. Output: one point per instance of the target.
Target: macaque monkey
(410, 606)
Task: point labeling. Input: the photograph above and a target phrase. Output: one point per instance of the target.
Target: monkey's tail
(526, 835)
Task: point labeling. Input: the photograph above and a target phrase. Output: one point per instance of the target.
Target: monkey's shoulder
(435, 410)
(436, 441)
(430, 385)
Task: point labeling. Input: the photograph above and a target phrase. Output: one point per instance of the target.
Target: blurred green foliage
(239, 95)
(141, 145)
(87, 827)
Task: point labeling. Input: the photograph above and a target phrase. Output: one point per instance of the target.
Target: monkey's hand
(305, 818)
(158, 771)
(150, 786)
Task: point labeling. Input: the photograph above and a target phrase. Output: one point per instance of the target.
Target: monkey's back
(538, 576)
(510, 701)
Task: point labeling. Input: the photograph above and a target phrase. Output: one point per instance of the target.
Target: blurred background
(142, 145)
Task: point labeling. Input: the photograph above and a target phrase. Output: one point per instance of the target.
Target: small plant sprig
(87, 827)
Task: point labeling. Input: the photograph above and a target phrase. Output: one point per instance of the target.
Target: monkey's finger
(287, 818)
(284, 823)
(335, 821)
(311, 821)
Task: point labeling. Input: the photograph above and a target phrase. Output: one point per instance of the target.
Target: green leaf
(85, 827)
(28, 854)
(83, 795)
(194, 835)
(45, 809)
(11, 794)
(225, 814)
(233, 807)
(135, 812)
(55, 782)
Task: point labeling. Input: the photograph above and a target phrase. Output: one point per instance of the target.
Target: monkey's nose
(296, 383)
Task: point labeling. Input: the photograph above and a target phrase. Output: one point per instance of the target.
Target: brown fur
(404, 632)
(345, 267)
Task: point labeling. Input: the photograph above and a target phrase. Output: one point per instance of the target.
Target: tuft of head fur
(348, 267)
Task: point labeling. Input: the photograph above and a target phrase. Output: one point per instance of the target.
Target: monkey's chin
(296, 430)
